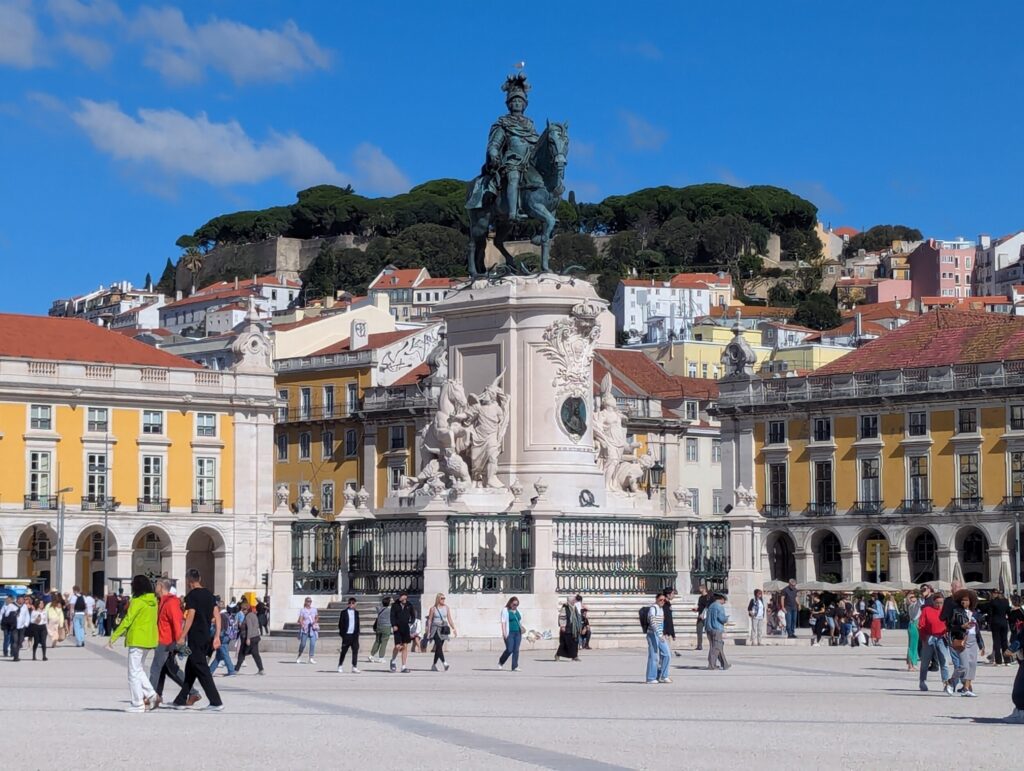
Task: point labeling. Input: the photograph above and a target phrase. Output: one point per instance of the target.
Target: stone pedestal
(281, 578)
(743, 575)
(435, 572)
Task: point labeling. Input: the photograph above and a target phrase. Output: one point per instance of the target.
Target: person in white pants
(756, 612)
(140, 632)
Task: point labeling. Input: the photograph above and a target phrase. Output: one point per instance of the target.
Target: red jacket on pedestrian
(929, 622)
(169, 619)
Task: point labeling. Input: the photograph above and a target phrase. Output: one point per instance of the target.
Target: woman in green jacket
(140, 633)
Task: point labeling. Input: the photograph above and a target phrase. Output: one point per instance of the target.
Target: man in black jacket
(998, 610)
(702, 605)
(669, 626)
(348, 628)
(402, 616)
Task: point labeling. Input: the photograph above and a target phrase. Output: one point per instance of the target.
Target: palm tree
(193, 261)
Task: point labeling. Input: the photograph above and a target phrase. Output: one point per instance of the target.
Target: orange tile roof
(376, 340)
(971, 302)
(65, 339)
(753, 311)
(697, 387)
(680, 281)
(413, 376)
(403, 278)
(438, 283)
(212, 296)
(936, 339)
(638, 368)
(846, 230)
(886, 310)
(249, 283)
(844, 330)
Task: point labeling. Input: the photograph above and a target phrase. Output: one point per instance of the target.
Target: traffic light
(266, 578)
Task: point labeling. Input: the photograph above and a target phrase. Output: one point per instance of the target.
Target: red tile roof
(697, 387)
(377, 340)
(249, 283)
(886, 310)
(413, 376)
(438, 283)
(403, 278)
(640, 370)
(212, 296)
(753, 311)
(844, 330)
(936, 339)
(64, 339)
(846, 230)
(681, 281)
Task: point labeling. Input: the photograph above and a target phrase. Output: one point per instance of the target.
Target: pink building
(942, 268)
(886, 290)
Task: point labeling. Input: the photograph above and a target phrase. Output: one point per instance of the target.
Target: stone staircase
(617, 617)
(367, 605)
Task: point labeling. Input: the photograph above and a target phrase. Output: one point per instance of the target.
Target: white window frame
(203, 430)
(305, 445)
(97, 477)
(39, 474)
(205, 467)
(151, 474)
(93, 424)
(145, 425)
(327, 499)
(694, 445)
(44, 415)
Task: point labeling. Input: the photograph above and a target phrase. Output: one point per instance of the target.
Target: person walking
(790, 597)
(38, 627)
(892, 614)
(169, 621)
(756, 612)
(1016, 649)
(702, 605)
(111, 605)
(569, 624)
(263, 615)
(381, 631)
(309, 630)
(440, 626)
(402, 616)
(997, 613)
(78, 609)
(819, 622)
(9, 623)
(249, 637)
(659, 655)
(933, 631)
(90, 618)
(877, 617)
(966, 639)
(138, 627)
(199, 615)
(670, 625)
(348, 628)
(55, 620)
(511, 633)
(21, 629)
(912, 607)
(226, 629)
(101, 616)
(715, 628)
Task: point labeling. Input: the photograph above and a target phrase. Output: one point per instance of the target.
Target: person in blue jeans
(658, 653)
(512, 632)
(222, 654)
(789, 596)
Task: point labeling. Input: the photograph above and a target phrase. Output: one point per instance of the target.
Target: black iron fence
(316, 557)
(386, 556)
(490, 553)
(710, 552)
(613, 556)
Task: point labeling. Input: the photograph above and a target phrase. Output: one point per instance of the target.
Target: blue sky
(124, 125)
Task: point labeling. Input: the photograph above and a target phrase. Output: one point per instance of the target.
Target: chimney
(360, 337)
(858, 329)
(984, 241)
(236, 283)
(177, 295)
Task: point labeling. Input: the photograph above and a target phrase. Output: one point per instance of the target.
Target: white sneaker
(371, 660)
(949, 690)
(298, 660)
(341, 670)
(969, 693)
(447, 666)
(140, 708)
(665, 680)
(355, 670)
(500, 665)
(515, 669)
(312, 660)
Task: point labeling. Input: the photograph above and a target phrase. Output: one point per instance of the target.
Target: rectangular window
(1017, 474)
(327, 444)
(695, 499)
(822, 429)
(968, 471)
(716, 501)
(778, 495)
(691, 450)
(38, 474)
(869, 427)
(776, 432)
(305, 446)
(327, 497)
(870, 490)
(206, 479)
(351, 443)
(305, 403)
(96, 476)
(206, 424)
(395, 476)
(397, 438)
(282, 410)
(704, 370)
(967, 420)
(716, 450)
(328, 401)
(1017, 417)
(40, 418)
(152, 422)
(691, 410)
(352, 397)
(97, 419)
(919, 478)
(823, 482)
(918, 424)
(152, 478)
(282, 446)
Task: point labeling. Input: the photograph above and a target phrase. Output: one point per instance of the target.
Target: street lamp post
(1016, 578)
(60, 536)
(654, 477)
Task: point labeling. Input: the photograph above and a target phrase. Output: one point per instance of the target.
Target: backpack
(232, 630)
(80, 604)
(645, 618)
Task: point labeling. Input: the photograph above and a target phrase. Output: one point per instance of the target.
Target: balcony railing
(821, 509)
(300, 415)
(868, 507)
(397, 398)
(1017, 424)
(210, 506)
(1013, 502)
(40, 501)
(970, 503)
(775, 510)
(99, 503)
(154, 504)
(916, 506)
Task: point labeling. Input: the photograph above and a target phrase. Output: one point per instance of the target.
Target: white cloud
(182, 53)
(20, 41)
(376, 172)
(79, 13)
(92, 52)
(217, 153)
(643, 134)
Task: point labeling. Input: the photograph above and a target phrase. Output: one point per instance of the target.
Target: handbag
(959, 644)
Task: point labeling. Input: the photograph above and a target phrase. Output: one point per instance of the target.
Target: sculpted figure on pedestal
(487, 420)
(616, 455)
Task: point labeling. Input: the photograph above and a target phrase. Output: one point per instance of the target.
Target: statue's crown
(588, 310)
(515, 85)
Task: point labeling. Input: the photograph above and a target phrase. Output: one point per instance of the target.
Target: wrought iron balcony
(916, 506)
(154, 504)
(775, 510)
(821, 509)
(1017, 424)
(868, 507)
(970, 503)
(313, 413)
(40, 501)
(99, 503)
(209, 506)
(1013, 502)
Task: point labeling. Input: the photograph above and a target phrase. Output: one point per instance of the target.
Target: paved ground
(777, 707)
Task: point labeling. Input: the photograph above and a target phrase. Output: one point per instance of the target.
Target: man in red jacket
(933, 638)
(169, 621)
